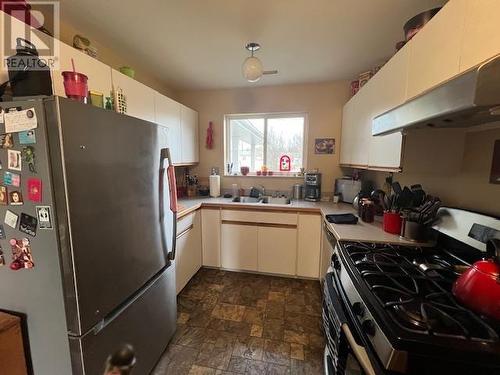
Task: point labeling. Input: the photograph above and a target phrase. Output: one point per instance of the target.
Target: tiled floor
(238, 323)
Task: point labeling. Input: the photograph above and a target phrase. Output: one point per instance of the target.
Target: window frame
(266, 117)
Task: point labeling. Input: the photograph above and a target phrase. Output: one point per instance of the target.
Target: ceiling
(199, 44)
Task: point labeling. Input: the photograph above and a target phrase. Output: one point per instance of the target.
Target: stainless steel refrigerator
(104, 241)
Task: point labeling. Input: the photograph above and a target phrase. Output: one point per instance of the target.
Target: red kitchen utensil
(478, 288)
(75, 84)
(392, 222)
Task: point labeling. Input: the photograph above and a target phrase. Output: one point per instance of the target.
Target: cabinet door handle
(185, 231)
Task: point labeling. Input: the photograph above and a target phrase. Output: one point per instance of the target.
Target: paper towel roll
(214, 182)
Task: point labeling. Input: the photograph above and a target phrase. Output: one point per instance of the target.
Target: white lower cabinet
(239, 246)
(210, 234)
(309, 245)
(271, 242)
(277, 250)
(188, 251)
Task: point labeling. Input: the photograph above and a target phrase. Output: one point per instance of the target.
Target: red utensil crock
(392, 222)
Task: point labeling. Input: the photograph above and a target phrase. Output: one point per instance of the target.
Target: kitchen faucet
(263, 190)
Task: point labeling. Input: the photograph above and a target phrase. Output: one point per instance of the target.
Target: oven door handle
(358, 351)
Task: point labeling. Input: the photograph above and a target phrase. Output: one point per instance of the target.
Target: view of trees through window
(255, 141)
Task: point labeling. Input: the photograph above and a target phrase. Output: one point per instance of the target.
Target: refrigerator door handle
(169, 174)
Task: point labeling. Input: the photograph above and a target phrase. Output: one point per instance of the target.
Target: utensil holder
(413, 231)
(392, 222)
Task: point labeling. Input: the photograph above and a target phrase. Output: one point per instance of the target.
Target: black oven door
(344, 353)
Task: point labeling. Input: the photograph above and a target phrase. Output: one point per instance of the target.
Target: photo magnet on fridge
(27, 137)
(44, 217)
(16, 198)
(4, 200)
(21, 254)
(35, 189)
(11, 219)
(28, 224)
(14, 160)
(29, 157)
(6, 140)
(12, 179)
(2, 232)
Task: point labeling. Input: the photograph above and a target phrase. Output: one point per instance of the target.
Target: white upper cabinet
(388, 88)
(168, 114)
(99, 74)
(481, 39)
(347, 136)
(189, 135)
(140, 98)
(361, 128)
(435, 50)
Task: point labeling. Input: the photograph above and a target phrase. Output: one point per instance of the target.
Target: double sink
(263, 200)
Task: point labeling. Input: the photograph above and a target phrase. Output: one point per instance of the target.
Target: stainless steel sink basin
(273, 200)
(246, 199)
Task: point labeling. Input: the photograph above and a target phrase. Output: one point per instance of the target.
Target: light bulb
(252, 69)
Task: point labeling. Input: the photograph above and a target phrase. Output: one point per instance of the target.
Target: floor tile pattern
(240, 323)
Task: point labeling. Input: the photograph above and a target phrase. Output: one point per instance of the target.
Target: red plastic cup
(392, 222)
(75, 86)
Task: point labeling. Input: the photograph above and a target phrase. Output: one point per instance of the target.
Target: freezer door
(106, 169)
(147, 324)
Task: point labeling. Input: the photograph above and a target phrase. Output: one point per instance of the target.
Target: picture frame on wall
(324, 146)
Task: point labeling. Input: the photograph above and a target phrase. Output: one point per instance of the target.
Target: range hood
(472, 98)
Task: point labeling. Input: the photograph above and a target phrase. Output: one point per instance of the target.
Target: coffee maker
(312, 186)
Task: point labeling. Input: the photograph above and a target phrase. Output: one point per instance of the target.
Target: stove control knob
(336, 262)
(358, 308)
(368, 327)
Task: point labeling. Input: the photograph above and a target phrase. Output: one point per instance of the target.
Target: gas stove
(398, 300)
(413, 286)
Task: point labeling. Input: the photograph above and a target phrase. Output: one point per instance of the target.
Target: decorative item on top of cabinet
(120, 101)
(75, 84)
(83, 44)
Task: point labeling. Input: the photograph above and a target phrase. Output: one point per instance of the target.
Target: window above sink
(258, 141)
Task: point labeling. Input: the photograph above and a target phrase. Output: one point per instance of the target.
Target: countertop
(366, 232)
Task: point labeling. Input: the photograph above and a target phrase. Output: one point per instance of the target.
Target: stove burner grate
(415, 290)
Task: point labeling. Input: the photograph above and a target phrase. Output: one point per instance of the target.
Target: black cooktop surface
(412, 288)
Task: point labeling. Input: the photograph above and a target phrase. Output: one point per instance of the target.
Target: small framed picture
(324, 146)
(14, 160)
(16, 198)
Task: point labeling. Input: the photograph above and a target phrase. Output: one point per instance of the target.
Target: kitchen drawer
(185, 223)
(247, 216)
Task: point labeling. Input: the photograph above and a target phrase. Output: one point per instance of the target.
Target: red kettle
(478, 288)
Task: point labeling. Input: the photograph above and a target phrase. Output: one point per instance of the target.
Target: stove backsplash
(454, 164)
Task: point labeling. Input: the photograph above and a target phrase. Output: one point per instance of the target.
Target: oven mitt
(342, 219)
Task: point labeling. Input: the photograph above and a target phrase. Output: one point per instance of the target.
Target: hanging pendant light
(252, 67)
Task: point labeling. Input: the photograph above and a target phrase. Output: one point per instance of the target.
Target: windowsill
(253, 175)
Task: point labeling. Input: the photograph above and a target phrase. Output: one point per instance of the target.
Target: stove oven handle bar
(359, 351)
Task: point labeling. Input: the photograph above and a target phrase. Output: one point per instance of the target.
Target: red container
(75, 86)
(479, 288)
(392, 222)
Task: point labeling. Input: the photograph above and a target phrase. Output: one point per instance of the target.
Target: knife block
(13, 361)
